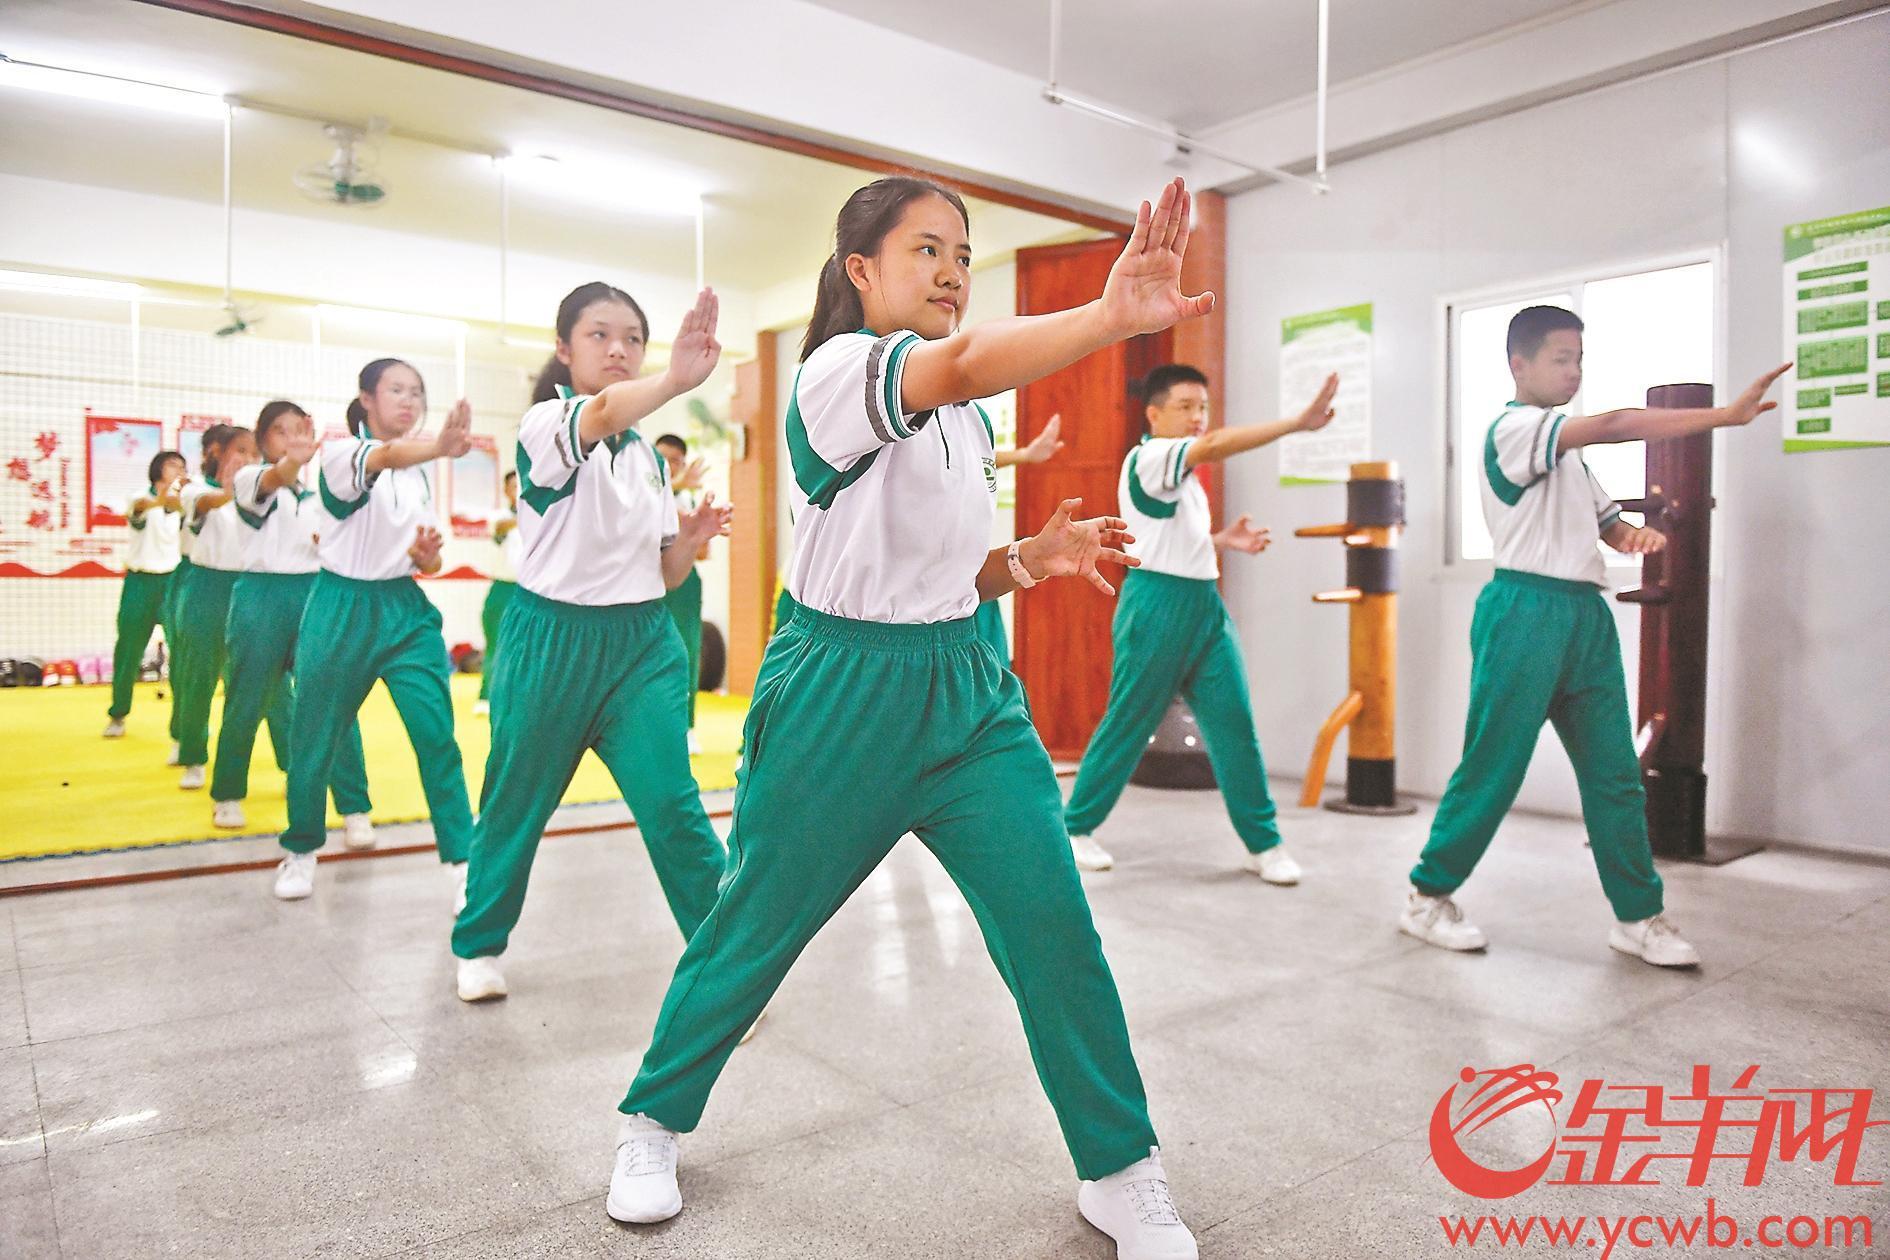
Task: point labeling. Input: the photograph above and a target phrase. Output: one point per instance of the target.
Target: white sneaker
(228, 814)
(1275, 866)
(1437, 921)
(456, 877)
(1089, 855)
(753, 1028)
(358, 831)
(695, 744)
(193, 778)
(479, 979)
(1654, 940)
(174, 759)
(295, 876)
(643, 1186)
(1134, 1208)
(482, 708)
(115, 729)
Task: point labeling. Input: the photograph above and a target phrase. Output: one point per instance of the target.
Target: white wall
(1722, 153)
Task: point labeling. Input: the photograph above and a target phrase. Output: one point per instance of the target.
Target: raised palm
(695, 351)
(1143, 293)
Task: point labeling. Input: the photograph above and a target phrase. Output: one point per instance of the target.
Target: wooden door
(1062, 643)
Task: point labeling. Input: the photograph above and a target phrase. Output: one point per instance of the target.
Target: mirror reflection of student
(504, 586)
(150, 561)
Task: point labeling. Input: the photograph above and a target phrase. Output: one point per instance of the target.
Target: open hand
(1752, 404)
(1318, 413)
(455, 437)
(1143, 293)
(1067, 547)
(1045, 444)
(693, 355)
(425, 552)
(1242, 536)
(691, 476)
(709, 520)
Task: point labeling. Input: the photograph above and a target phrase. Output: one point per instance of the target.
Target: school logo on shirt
(990, 475)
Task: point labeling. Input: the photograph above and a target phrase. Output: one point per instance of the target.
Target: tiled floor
(191, 1068)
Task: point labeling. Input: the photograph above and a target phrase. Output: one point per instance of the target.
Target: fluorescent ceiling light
(606, 184)
(372, 315)
(105, 87)
(77, 286)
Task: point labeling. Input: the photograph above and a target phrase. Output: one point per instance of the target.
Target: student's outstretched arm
(453, 440)
(287, 471)
(1636, 424)
(1041, 448)
(692, 357)
(1219, 444)
(1142, 295)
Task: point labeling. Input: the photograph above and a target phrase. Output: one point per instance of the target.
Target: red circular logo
(1502, 1091)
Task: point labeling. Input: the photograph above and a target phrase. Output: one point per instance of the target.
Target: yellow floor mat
(66, 790)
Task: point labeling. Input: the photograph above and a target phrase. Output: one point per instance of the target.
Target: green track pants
(685, 606)
(141, 603)
(629, 709)
(352, 633)
(858, 733)
(203, 616)
(1545, 649)
(492, 623)
(1173, 637)
(265, 613)
(990, 622)
(172, 620)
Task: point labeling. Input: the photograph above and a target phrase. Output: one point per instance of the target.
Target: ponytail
(550, 377)
(866, 219)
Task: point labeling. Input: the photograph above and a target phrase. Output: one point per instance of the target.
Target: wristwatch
(1019, 573)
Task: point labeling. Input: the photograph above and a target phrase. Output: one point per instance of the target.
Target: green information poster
(1312, 347)
(1837, 331)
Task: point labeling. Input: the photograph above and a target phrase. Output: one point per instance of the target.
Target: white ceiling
(1202, 62)
(769, 217)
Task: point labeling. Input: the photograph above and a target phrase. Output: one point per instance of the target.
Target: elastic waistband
(205, 573)
(1146, 577)
(897, 636)
(1543, 582)
(588, 614)
(263, 577)
(386, 586)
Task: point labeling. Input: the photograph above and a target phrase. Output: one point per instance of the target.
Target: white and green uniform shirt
(216, 535)
(374, 518)
(280, 526)
(1167, 510)
(511, 548)
(154, 546)
(594, 520)
(1545, 513)
(895, 512)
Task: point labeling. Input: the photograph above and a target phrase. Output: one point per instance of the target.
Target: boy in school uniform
(1172, 633)
(1544, 645)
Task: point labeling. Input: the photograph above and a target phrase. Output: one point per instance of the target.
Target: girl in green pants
(499, 594)
(279, 522)
(203, 609)
(150, 561)
(602, 543)
(367, 619)
(684, 601)
(879, 711)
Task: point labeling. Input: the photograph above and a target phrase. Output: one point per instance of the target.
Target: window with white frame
(1644, 328)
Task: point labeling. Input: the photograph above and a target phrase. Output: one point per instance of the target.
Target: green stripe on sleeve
(1507, 491)
(889, 382)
